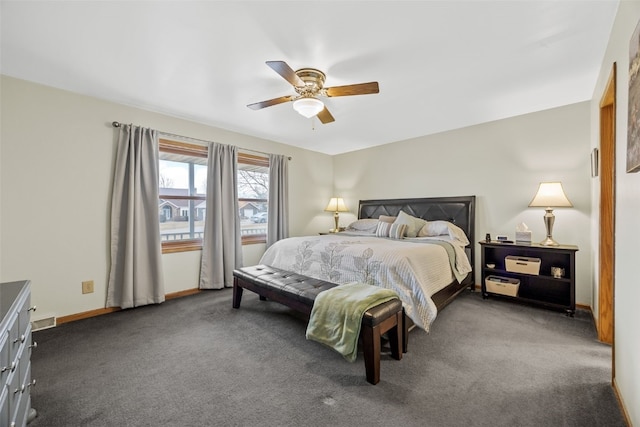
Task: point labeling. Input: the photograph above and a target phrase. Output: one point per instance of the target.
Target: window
(253, 193)
(183, 188)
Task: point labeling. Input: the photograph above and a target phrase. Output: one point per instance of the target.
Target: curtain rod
(117, 125)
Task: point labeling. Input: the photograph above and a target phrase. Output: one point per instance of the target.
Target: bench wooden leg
(371, 343)
(405, 332)
(237, 293)
(396, 339)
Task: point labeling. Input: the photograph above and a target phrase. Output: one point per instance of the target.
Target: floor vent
(45, 323)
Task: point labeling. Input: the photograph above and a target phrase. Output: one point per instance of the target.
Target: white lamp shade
(336, 204)
(308, 107)
(550, 195)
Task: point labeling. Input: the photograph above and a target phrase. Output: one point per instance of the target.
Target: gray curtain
(278, 221)
(222, 244)
(135, 277)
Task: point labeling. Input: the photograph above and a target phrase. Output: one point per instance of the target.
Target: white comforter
(414, 268)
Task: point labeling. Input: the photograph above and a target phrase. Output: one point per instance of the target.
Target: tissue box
(522, 264)
(502, 285)
(523, 236)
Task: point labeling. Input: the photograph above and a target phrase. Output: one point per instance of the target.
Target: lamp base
(549, 219)
(549, 242)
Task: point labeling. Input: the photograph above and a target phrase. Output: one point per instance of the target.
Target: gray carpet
(195, 361)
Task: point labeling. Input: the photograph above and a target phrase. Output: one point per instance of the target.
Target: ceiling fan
(308, 84)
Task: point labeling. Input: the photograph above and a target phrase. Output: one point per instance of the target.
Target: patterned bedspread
(414, 268)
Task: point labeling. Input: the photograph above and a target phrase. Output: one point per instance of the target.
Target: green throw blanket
(337, 313)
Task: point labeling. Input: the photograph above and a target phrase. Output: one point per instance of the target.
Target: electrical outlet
(87, 287)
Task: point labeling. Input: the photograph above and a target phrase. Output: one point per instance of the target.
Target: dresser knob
(9, 368)
(21, 339)
(32, 308)
(19, 390)
(32, 383)
(34, 345)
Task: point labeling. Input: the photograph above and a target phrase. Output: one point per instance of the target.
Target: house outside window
(182, 189)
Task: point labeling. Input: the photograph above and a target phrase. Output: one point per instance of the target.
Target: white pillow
(434, 228)
(443, 228)
(383, 228)
(413, 224)
(367, 224)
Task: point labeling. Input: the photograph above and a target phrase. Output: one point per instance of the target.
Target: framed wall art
(633, 127)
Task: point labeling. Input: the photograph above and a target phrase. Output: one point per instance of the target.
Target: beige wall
(501, 163)
(58, 151)
(627, 291)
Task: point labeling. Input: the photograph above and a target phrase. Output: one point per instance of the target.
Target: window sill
(196, 245)
(184, 246)
(254, 240)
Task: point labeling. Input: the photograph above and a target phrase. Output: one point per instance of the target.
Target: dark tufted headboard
(458, 210)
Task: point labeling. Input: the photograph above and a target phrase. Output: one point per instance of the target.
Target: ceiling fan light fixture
(308, 107)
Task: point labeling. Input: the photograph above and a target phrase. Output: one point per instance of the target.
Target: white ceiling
(441, 65)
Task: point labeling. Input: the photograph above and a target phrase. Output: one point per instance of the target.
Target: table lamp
(336, 204)
(550, 195)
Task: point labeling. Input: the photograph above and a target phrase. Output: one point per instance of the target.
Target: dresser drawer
(14, 391)
(24, 313)
(20, 411)
(24, 357)
(4, 407)
(16, 337)
(5, 362)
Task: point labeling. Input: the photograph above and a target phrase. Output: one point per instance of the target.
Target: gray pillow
(387, 218)
(413, 224)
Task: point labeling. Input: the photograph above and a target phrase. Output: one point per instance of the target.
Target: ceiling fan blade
(286, 72)
(270, 102)
(357, 89)
(325, 116)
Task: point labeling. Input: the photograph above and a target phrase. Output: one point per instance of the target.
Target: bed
(427, 271)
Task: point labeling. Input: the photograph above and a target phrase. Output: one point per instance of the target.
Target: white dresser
(15, 354)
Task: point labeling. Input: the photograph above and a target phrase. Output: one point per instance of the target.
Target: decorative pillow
(386, 218)
(397, 231)
(413, 224)
(444, 228)
(368, 224)
(383, 229)
(434, 228)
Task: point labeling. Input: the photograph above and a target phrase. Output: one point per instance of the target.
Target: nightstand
(541, 289)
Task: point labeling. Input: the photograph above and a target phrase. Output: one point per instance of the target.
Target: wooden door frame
(606, 270)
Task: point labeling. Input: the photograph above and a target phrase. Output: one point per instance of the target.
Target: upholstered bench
(299, 292)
